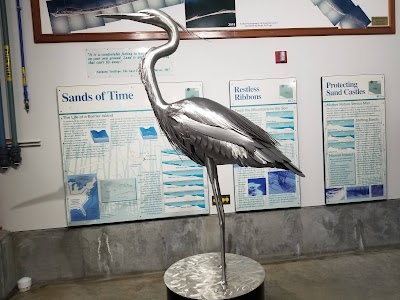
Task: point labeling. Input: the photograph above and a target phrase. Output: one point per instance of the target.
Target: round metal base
(199, 276)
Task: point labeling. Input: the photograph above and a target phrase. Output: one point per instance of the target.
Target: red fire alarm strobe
(280, 57)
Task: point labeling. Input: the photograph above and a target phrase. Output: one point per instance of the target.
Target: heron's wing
(225, 126)
(204, 131)
(212, 120)
(214, 114)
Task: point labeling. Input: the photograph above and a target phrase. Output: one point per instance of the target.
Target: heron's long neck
(148, 62)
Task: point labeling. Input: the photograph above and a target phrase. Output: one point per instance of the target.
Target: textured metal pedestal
(198, 277)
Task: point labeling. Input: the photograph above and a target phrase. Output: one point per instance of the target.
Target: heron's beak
(132, 16)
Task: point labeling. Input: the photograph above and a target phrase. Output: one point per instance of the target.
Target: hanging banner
(354, 138)
(118, 165)
(272, 105)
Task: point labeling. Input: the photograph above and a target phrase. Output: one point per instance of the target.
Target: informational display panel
(354, 138)
(272, 105)
(118, 165)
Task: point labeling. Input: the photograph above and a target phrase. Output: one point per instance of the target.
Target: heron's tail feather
(289, 166)
(272, 157)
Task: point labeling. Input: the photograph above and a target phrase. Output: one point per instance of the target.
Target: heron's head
(148, 16)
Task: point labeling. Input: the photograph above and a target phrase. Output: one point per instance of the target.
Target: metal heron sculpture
(207, 132)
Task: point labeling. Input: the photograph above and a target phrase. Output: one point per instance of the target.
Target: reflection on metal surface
(198, 276)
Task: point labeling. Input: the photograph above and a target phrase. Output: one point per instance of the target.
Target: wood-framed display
(76, 21)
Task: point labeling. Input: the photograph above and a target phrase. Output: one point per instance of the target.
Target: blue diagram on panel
(284, 136)
(99, 136)
(280, 116)
(281, 182)
(341, 136)
(187, 173)
(377, 190)
(375, 87)
(357, 192)
(187, 204)
(342, 146)
(183, 183)
(199, 183)
(191, 92)
(118, 190)
(187, 199)
(256, 187)
(340, 125)
(281, 126)
(172, 152)
(194, 193)
(335, 194)
(83, 198)
(281, 122)
(181, 163)
(286, 91)
(148, 133)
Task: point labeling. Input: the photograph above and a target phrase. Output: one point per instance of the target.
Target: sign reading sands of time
(118, 165)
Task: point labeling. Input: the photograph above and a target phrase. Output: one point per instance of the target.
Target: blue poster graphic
(257, 187)
(82, 194)
(281, 182)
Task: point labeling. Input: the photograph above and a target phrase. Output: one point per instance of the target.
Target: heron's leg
(213, 175)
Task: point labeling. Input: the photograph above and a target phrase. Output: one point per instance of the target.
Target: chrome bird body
(205, 131)
(202, 128)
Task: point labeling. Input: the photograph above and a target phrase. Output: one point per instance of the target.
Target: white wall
(32, 197)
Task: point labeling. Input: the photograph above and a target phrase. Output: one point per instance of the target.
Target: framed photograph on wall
(79, 21)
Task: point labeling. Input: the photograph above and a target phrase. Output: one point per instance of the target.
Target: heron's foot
(223, 284)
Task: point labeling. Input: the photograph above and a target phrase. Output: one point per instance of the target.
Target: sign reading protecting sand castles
(354, 138)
